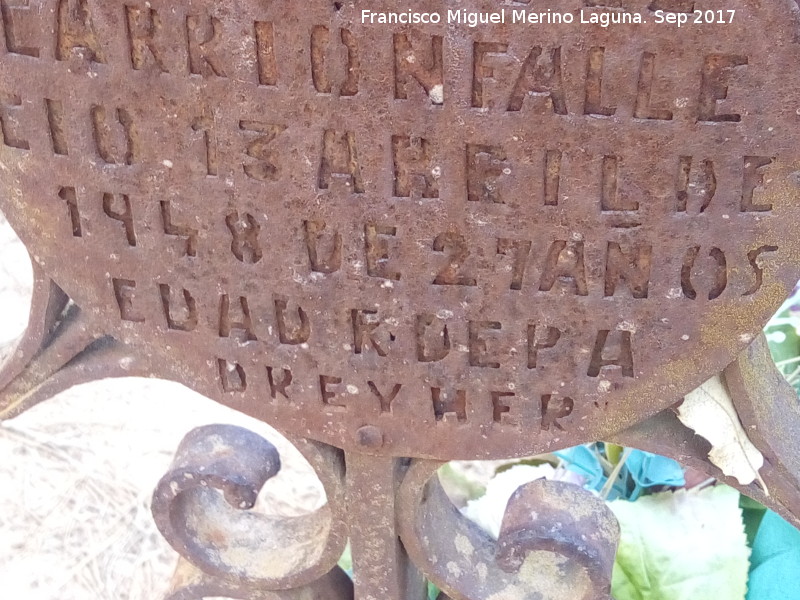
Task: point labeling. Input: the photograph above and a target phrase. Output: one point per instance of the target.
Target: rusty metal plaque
(489, 231)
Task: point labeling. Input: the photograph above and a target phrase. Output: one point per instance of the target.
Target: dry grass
(76, 475)
(77, 472)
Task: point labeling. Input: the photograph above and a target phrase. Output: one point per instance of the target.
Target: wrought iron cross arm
(62, 346)
(769, 411)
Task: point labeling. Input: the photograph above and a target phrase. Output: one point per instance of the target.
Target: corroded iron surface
(201, 506)
(557, 540)
(428, 240)
(569, 522)
(419, 240)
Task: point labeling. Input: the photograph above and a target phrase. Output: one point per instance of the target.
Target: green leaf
(534, 461)
(752, 514)
(783, 341)
(613, 453)
(684, 545)
(774, 574)
(433, 591)
(346, 561)
(456, 483)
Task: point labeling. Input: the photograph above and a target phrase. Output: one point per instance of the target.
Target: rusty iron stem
(400, 523)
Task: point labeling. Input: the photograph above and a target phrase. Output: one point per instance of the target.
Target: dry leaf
(709, 411)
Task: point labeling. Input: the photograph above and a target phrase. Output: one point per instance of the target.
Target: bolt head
(369, 436)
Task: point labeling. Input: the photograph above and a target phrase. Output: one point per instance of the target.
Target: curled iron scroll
(557, 542)
(189, 583)
(201, 506)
